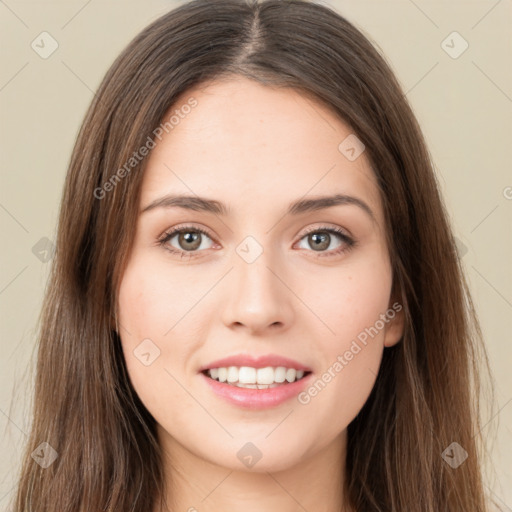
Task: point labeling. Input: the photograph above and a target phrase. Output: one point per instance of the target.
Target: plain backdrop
(459, 85)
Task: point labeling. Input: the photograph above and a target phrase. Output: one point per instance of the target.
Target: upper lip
(263, 361)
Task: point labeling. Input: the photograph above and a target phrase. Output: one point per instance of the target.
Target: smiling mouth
(255, 378)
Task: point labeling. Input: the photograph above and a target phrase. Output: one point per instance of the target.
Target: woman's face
(267, 280)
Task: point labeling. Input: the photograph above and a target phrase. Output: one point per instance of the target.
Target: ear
(395, 326)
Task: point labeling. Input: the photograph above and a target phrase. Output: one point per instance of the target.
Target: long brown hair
(426, 394)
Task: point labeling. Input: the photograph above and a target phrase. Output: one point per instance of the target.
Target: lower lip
(257, 398)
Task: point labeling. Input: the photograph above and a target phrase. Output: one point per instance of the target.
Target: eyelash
(349, 242)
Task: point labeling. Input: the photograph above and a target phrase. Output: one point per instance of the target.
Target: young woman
(256, 301)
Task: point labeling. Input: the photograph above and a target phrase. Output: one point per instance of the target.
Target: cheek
(151, 299)
(149, 310)
(350, 303)
(349, 300)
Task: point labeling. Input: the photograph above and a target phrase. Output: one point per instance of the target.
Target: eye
(188, 238)
(321, 238)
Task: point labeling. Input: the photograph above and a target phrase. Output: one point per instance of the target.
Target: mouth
(255, 378)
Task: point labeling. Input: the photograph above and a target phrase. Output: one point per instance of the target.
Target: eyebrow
(298, 207)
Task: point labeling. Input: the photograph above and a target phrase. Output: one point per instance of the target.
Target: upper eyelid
(327, 226)
(175, 230)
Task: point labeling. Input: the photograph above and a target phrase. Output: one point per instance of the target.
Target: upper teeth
(249, 375)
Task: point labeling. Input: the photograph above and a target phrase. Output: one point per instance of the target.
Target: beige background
(464, 105)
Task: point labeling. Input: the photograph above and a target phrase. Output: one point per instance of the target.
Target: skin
(256, 149)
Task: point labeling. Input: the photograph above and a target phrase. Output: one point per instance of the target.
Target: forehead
(246, 143)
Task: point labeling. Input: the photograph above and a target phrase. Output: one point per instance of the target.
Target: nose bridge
(257, 295)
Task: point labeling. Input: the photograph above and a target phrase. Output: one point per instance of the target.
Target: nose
(258, 297)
